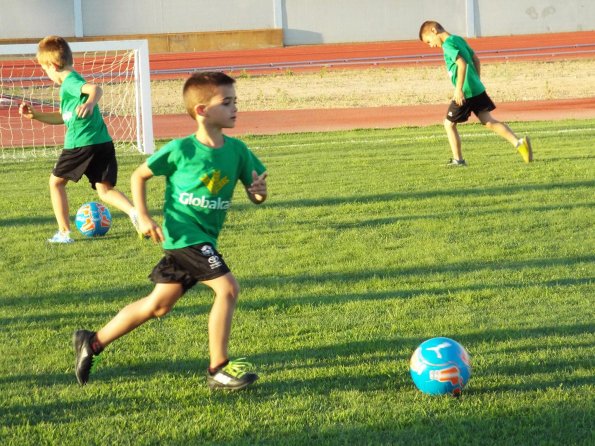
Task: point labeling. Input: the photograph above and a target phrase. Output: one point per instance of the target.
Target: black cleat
(84, 356)
(233, 376)
(456, 163)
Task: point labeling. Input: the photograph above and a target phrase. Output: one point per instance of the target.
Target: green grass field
(366, 247)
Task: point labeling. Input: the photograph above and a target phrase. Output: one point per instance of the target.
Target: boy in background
(88, 147)
(201, 171)
(470, 94)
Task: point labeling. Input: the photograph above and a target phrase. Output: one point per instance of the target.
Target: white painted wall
(507, 17)
(22, 19)
(101, 17)
(304, 21)
(337, 21)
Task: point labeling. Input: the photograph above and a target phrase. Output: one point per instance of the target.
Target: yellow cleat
(525, 149)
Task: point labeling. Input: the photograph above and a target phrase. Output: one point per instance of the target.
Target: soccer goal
(121, 68)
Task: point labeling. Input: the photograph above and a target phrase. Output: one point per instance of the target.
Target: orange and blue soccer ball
(440, 366)
(93, 219)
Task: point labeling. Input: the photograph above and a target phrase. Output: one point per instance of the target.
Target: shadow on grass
(120, 296)
(451, 192)
(51, 220)
(467, 212)
(96, 295)
(409, 216)
(554, 424)
(306, 280)
(27, 221)
(337, 299)
(65, 412)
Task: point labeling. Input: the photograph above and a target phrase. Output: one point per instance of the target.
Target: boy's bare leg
(113, 197)
(157, 304)
(60, 202)
(454, 139)
(226, 290)
(498, 127)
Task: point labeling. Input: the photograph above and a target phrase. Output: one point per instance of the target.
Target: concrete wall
(36, 18)
(509, 17)
(337, 21)
(176, 25)
(174, 16)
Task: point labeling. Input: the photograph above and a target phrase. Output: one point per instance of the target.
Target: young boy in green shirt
(200, 172)
(88, 147)
(470, 94)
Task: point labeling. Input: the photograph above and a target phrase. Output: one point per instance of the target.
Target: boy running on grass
(88, 147)
(200, 172)
(470, 94)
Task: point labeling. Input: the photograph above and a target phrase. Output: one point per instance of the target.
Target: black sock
(220, 366)
(96, 346)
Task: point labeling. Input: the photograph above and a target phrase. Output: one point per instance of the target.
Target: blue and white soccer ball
(93, 219)
(440, 366)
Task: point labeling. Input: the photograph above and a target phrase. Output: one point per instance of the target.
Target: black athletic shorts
(97, 162)
(189, 265)
(475, 104)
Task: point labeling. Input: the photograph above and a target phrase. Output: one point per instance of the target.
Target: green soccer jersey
(199, 185)
(453, 47)
(80, 131)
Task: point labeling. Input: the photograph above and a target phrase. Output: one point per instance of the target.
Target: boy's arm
(477, 65)
(257, 191)
(458, 96)
(138, 186)
(27, 111)
(94, 93)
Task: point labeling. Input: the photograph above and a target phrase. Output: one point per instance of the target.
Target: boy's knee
(225, 287)
(231, 291)
(57, 181)
(101, 194)
(449, 124)
(161, 311)
(102, 189)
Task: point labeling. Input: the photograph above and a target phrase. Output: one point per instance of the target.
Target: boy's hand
(84, 110)
(149, 228)
(258, 188)
(26, 111)
(458, 97)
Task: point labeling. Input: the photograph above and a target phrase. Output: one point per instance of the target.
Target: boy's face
(50, 70)
(221, 109)
(432, 39)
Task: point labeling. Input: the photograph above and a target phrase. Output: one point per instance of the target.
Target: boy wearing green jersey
(470, 94)
(201, 171)
(88, 147)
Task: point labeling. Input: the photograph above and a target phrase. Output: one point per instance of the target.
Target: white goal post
(121, 68)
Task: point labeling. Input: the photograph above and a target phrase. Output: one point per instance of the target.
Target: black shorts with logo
(189, 265)
(475, 104)
(97, 162)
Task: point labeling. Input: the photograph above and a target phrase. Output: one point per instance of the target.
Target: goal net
(121, 68)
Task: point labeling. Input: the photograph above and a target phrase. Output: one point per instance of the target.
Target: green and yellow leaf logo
(214, 183)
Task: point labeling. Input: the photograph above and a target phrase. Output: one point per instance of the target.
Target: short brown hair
(199, 88)
(427, 26)
(54, 50)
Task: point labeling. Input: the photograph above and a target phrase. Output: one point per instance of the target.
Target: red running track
(289, 121)
(320, 120)
(308, 57)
